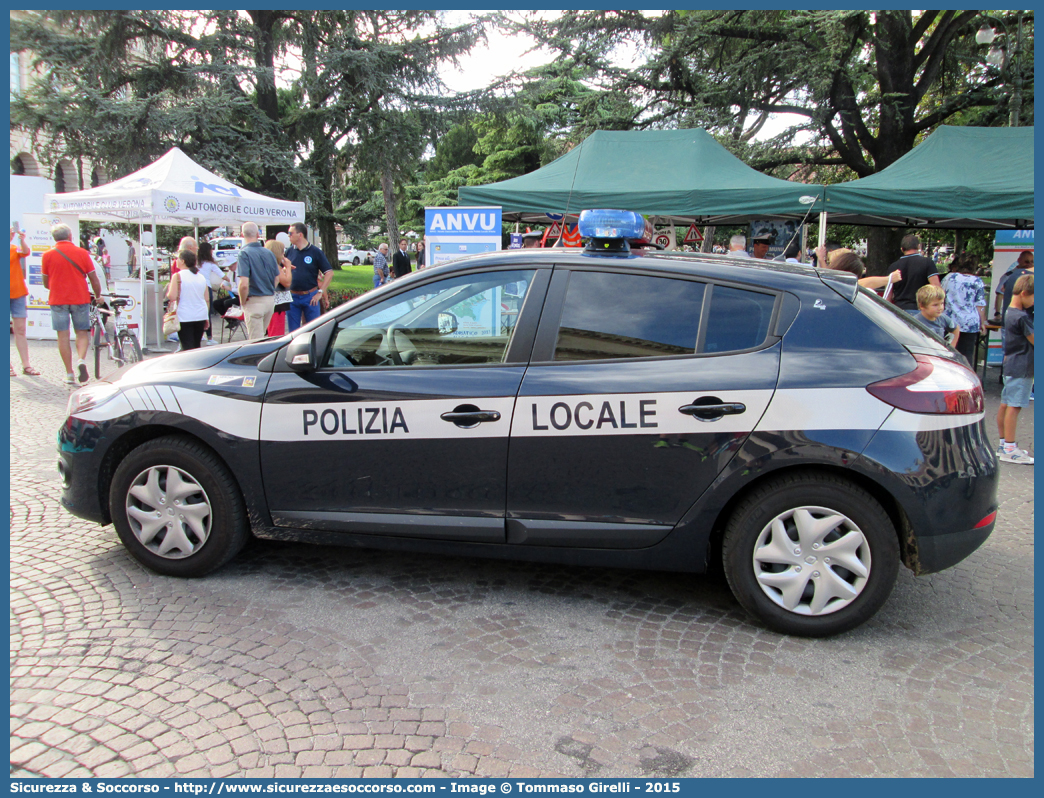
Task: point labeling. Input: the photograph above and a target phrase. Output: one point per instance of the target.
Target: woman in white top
(214, 276)
(188, 290)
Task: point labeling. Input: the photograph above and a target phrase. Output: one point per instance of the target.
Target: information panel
(1007, 246)
(37, 228)
(455, 232)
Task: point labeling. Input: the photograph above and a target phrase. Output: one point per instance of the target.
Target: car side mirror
(301, 353)
(447, 323)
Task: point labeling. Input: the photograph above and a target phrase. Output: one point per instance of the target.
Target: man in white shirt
(738, 246)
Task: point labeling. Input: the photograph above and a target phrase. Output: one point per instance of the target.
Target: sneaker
(81, 371)
(1000, 449)
(70, 379)
(211, 342)
(1019, 456)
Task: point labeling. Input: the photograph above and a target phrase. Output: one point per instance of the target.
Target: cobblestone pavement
(297, 660)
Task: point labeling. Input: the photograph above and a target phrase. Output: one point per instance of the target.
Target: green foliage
(505, 146)
(122, 87)
(453, 150)
(350, 282)
(339, 296)
(862, 86)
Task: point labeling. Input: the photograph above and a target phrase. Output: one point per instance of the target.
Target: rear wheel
(177, 508)
(130, 346)
(810, 554)
(116, 347)
(355, 261)
(97, 351)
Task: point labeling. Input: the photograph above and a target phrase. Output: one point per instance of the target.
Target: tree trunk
(388, 188)
(328, 234)
(882, 248)
(264, 60)
(264, 85)
(708, 239)
(323, 213)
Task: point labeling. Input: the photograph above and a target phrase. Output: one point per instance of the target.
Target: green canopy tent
(681, 176)
(958, 177)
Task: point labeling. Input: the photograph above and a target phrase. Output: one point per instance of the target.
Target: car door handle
(712, 411)
(469, 418)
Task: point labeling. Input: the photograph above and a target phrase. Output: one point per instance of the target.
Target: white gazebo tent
(174, 190)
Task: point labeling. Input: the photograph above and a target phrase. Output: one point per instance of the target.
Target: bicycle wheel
(117, 351)
(97, 351)
(130, 347)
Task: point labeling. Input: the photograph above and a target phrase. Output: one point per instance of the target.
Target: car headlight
(90, 397)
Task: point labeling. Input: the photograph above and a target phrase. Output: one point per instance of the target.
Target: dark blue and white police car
(604, 407)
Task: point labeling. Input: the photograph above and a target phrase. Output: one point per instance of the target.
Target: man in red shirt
(66, 269)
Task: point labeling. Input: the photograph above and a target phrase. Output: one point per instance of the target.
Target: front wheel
(130, 346)
(810, 554)
(177, 508)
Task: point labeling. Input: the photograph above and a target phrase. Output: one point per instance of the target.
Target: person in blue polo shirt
(312, 274)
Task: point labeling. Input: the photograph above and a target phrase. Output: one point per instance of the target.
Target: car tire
(776, 546)
(355, 261)
(145, 502)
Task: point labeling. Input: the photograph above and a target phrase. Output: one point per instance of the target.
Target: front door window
(466, 320)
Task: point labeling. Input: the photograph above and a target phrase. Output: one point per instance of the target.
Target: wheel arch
(130, 441)
(888, 503)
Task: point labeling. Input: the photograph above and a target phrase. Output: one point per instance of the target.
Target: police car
(655, 410)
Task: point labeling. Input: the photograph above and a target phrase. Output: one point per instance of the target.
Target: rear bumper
(941, 551)
(945, 481)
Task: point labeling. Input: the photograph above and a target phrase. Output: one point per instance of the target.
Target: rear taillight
(987, 520)
(937, 385)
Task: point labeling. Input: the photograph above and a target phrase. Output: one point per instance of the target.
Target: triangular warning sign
(555, 231)
(693, 235)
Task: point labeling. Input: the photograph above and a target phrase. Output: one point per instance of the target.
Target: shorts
(19, 307)
(80, 314)
(1016, 391)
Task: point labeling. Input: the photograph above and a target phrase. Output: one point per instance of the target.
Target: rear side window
(896, 322)
(608, 315)
(737, 320)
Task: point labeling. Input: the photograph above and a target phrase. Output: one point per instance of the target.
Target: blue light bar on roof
(602, 223)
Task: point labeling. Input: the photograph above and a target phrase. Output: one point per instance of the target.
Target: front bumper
(79, 464)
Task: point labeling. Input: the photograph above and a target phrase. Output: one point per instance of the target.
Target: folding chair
(231, 326)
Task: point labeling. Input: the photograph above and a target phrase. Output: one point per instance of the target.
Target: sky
(500, 55)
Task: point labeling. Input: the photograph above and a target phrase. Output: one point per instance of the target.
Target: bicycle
(122, 344)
